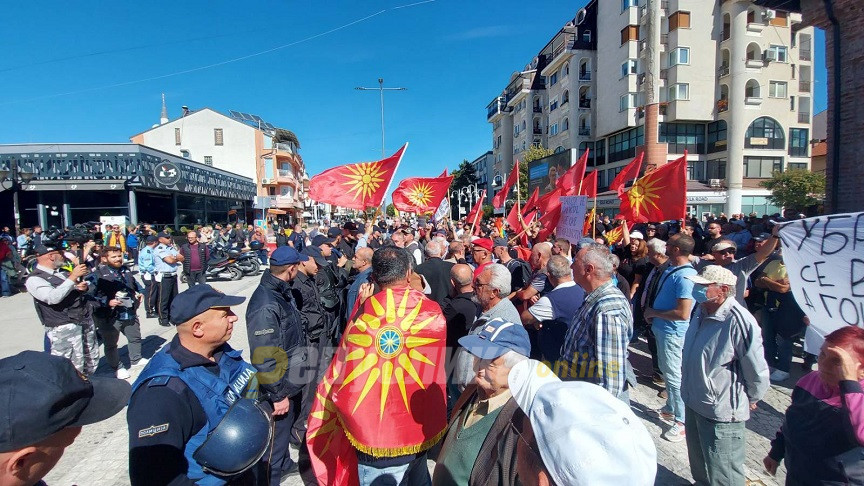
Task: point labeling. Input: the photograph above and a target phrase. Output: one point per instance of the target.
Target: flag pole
(474, 223)
(390, 182)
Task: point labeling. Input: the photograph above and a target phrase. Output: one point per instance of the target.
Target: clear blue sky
(76, 74)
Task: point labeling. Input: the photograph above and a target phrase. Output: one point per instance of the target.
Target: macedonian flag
(421, 195)
(659, 195)
(384, 392)
(357, 186)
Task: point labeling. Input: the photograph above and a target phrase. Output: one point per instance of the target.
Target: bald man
(363, 266)
(539, 285)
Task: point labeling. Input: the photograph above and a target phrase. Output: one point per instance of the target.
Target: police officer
(168, 262)
(147, 270)
(278, 346)
(185, 391)
(62, 306)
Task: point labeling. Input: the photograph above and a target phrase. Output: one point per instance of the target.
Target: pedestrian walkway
(100, 455)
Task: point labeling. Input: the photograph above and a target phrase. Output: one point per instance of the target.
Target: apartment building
(243, 144)
(727, 80)
(484, 170)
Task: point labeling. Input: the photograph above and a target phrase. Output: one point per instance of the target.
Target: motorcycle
(246, 261)
(220, 267)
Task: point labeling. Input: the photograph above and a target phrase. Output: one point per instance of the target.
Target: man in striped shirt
(595, 346)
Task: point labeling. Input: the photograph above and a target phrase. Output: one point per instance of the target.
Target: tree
(390, 210)
(463, 176)
(796, 189)
(533, 153)
(488, 211)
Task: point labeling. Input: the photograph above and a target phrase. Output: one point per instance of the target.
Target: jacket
(308, 301)
(724, 368)
(203, 256)
(437, 273)
(274, 327)
(109, 281)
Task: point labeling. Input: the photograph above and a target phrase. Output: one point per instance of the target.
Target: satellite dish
(533, 63)
(580, 16)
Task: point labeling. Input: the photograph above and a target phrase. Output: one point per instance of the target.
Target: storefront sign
(166, 174)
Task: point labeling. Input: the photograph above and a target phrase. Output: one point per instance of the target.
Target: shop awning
(275, 211)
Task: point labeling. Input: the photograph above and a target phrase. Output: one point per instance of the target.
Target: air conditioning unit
(769, 14)
(715, 183)
(770, 56)
(265, 180)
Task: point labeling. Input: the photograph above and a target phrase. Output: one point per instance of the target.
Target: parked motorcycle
(247, 261)
(220, 267)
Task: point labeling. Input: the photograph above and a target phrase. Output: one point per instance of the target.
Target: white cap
(585, 435)
(715, 274)
(636, 235)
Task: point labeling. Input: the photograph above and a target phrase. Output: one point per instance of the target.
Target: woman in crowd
(633, 254)
(822, 436)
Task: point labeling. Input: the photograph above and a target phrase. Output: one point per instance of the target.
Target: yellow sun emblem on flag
(364, 178)
(387, 347)
(644, 192)
(420, 194)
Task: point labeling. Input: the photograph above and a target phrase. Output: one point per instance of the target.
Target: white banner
(443, 209)
(824, 258)
(572, 220)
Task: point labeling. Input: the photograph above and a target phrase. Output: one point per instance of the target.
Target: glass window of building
(627, 101)
(715, 169)
(796, 166)
(765, 133)
(629, 67)
(679, 55)
(798, 142)
(176, 136)
(717, 136)
(761, 167)
(695, 170)
(623, 145)
(208, 160)
(683, 136)
(625, 4)
(757, 204)
(778, 53)
(217, 136)
(679, 91)
(777, 89)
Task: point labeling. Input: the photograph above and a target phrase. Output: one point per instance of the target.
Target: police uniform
(166, 281)
(147, 269)
(180, 398)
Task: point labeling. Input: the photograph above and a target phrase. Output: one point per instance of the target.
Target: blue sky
(96, 75)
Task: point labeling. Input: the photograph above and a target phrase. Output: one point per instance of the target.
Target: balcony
(723, 71)
(664, 39)
(805, 54)
(803, 117)
(283, 147)
(753, 100)
(755, 63)
(537, 109)
(285, 176)
(585, 104)
(496, 108)
(538, 131)
(560, 55)
(282, 201)
(517, 90)
(584, 132)
(584, 75)
(722, 105)
(804, 86)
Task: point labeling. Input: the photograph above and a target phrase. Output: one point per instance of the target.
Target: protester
(436, 271)
(196, 257)
(539, 284)
(660, 261)
(363, 267)
(723, 254)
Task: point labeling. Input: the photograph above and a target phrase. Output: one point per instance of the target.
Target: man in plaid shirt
(595, 347)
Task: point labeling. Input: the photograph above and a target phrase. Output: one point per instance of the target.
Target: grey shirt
(463, 369)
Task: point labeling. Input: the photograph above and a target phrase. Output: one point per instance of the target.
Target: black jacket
(108, 282)
(460, 312)
(203, 255)
(308, 300)
(437, 273)
(274, 325)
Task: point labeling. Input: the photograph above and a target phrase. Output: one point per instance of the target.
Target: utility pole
(381, 89)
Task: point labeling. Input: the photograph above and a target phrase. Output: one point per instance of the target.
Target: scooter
(220, 267)
(247, 261)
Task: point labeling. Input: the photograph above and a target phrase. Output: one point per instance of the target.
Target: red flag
(443, 174)
(421, 195)
(589, 222)
(615, 235)
(531, 203)
(383, 393)
(589, 185)
(549, 221)
(477, 209)
(550, 201)
(574, 175)
(498, 200)
(357, 186)
(523, 238)
(628, 173)
(658, 196)
(513, 219)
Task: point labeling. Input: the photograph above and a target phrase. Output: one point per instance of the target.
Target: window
(679, 20)
(715, 169)
(757, 204)
(586, 36)
(176, 136)
(565, 97)
(683, 136)
(680, 55)
(566, 70)
(796, 166)
(776, 89)
(798, 142)
(553, 105)
(553, 129)
(208, 160)
(623, 145)
(680, 91)
(780, 53)
(629, 67)
(695, 170)
(184, 154)
(565, 125)
(591, 154)
(629, 33)
(717, 137)
(625, 4)
(761, 167)
(765, 133)
(627, 101)
(217, 136)
(553, 79)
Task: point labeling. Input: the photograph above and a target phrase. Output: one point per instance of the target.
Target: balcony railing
(497, 106)
(585, 103)
(585, 132)
(803, 117)
(286, 174)
(538, 131)
(804, 86)
(537, 109)
(569, 39)
(284, 147)
(723, 71)
(585, 76)
(805, 54)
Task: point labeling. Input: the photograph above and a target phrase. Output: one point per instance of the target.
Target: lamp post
(16, 176)
(381, 89)
(469, 194)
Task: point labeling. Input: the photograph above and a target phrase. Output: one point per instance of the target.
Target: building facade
(483, 169)
(728, 81)
(227, 143)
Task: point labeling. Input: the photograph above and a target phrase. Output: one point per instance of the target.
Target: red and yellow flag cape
(384, 392)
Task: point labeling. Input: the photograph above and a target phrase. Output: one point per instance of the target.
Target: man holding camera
(63, 309)
(168, 262)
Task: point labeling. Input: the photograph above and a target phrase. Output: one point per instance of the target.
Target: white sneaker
(141, 362)
(123, 373)
(675, 433)
(779, 375)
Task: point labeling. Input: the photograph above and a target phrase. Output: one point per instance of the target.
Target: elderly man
(436, 271)
(411, 245)
(539, 284)
(596, 343)
(363, 266)
(46, 402)
(196, 256)
(726, 376)
(553, 314)
(480, 446)
(481, 252)
(456, 252)
(723, 254)
(460, 310)
(576, 434)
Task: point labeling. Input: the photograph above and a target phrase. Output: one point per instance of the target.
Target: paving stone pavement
(99, 457)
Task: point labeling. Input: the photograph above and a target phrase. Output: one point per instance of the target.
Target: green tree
(533, 153)
(463, 176)
(391, 210)
(796, 189)
(488, 211)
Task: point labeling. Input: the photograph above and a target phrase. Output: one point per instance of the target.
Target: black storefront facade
(77, 183)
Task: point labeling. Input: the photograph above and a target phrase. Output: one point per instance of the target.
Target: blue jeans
(669, 351)
(415, 473)
(5, 289)
(716, 450)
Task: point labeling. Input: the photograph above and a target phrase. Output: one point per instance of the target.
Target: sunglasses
(727, 251)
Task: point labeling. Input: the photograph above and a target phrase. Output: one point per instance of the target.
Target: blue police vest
(216, 393)
(566, 302)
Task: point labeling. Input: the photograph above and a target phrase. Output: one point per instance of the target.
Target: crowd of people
(537, 335)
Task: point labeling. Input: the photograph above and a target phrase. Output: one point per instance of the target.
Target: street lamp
(381, 89)
(469, 194)
(16, 176)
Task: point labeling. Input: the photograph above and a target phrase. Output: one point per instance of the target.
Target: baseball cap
(163, 234)
(723, 245)
(198, 299)
(151, 239)
(350, 226)
(484, 243)
(495, 338)
(44, 250)
(334, 232)
(636, 235)
(43, 394)
(714, 274)
(286, 255)
(762, 237)
(314, 253)
(500, 242)
(585, 435)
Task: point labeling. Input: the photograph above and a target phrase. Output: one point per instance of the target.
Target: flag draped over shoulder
(501, 196)
(421, 195)
(658, 196)
(628, 173)
(384, 392)
(357, 186)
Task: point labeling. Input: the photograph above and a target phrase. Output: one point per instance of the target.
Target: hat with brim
(495, 338)
(724, 245)
(314, 253)
(44, 250)
(198, 299)
(636, 235)
(714, 274)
